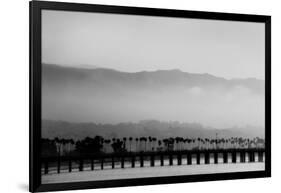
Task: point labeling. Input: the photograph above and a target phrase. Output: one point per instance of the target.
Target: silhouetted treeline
(101, 145)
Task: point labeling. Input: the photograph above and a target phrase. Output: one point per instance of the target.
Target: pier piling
(216, 157)
(101, 163)
(92, 164)
(46, 170)
(242, 157)
(141, 160)
(81, 165)
(260, 156)
(152, 160)
(179, 159)
(58, 169)
(133, 161)
(171, 159)
(69, 165)
(112, 162)
(225, 157)
(122, 162)
(207, 158)
(162, 159)
(198, 158)
(189, 159)
(233, 157)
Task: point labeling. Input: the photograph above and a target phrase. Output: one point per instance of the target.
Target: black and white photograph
(143, 96)
(136, 96)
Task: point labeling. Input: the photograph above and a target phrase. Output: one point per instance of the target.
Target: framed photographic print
(125, 96)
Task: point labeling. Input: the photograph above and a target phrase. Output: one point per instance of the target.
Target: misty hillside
(52, 129)
(108, 96)
(54, 74)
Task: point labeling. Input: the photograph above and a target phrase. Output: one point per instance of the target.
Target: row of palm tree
(63, 145)
(98, 144)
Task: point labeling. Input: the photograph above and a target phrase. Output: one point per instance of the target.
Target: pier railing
(60, 164)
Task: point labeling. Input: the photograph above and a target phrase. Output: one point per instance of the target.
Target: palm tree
(113, 143)
(149, 144)
(154, 140)
(64, 142)
(145, 140)
(124, 144)
(107, 142)
(211, 143)
(216, 142)
(219, 143)
(130, 140)
(227, 143)
(207, 143)
(71, 142)
(58, 144)
(136, 139)
(238, 142)
(102, 142)
(159, 144)
(142, 139)
(171, 143)
(198, 140)
(165, 142)
(188, 142)
(193, 143)
(231, 142)
(140, 143)
(68, 145)
(182, 141)
(203, 142)
(177, 139)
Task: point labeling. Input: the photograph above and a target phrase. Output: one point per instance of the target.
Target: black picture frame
(35, 184)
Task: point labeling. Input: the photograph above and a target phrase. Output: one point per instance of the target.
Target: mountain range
(145, 79)
(107, 96)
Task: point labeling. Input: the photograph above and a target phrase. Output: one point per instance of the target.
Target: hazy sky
(143, 43)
